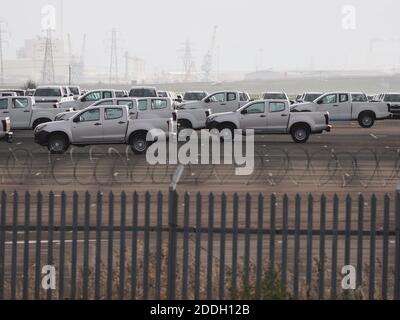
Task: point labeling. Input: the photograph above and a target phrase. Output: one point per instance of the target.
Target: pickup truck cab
(194, 95)
(18, 92)
(91, 97)
(309, 96)
(194, 114)
(100, 125)
(347, 106)
(273, 117)
(274, 96)
(143, 92)
(50, 96)
(5, 129)
(8, 94)
(24, 114)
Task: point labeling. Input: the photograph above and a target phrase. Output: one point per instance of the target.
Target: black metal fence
(139, 246)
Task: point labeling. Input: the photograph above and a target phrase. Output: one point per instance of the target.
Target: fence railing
(139, 246)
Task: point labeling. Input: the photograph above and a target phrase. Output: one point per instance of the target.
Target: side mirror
(319, 101)
(65, 95)
(77, 119)
(207, 100)
(292, 102)
(82, 99)
(244, 111)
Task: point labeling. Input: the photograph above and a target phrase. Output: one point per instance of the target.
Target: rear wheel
(366, 119)
(139, 143)
(57, 144)
(184, 124)
(300, 133)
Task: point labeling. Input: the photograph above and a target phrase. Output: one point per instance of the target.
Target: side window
(343, 97)
(3, 104)
(231, 96)
(330, 98)
(142, 105)
(119, 94)
(218, 97)
(107, 94)
(258, 107)
(20, 103)
(276, 107)
(157, 104)
(113, 113)
(128, 103)
(243, 97)
(90, 115)
(93, 96)
(105, 103)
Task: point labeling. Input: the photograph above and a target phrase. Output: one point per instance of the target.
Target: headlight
(40, 127)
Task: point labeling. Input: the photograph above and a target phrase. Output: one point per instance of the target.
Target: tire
(300, 133)
(366, 119)
(229, 127)
(39, 121)
(57, 144)
(184, 124)
(139, 143)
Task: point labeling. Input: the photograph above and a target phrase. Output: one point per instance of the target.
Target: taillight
(174, 116)
(4, 122)
(389, 108)
(326, 119)
(207, 113)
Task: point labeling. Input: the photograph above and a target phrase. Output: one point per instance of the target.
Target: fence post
(397, 259)
(172, 224)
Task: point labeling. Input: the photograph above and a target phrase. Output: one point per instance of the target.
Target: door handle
(97, 124)
(5, 112)
(336, 105)
(222, 104)
(283, 115)
(121, 122)
(26, 111)
(263, 116)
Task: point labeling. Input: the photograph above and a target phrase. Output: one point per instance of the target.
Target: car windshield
(142, 93)
(194, 96)
(392, 98)
(274, 96)
(48, 92)
(309, 97)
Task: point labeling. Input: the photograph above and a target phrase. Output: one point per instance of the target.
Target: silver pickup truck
(101, 125)
(5, 129)
(271, 116)
(346, 106)
(24, 114)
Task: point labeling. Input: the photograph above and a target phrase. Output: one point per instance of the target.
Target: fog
(251, 35)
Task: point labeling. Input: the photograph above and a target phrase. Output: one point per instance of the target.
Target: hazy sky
(292, 34)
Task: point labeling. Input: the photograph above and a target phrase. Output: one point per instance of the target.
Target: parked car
(194, 95)
(76, 91)
(273, 117)
(309, 96)
(143, 92)
(393, 99)
(100, 125)
(8, 94)
(5, 129)
(18, 92)
(24, 114)
(194, 114)
(145, 108)
(346, 106)
(91, 97)
(50, 96)
(274, 96)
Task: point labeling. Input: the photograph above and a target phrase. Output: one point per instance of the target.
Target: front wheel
(139, 143)
(300, 134)
(57, 144)
(366, 120)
